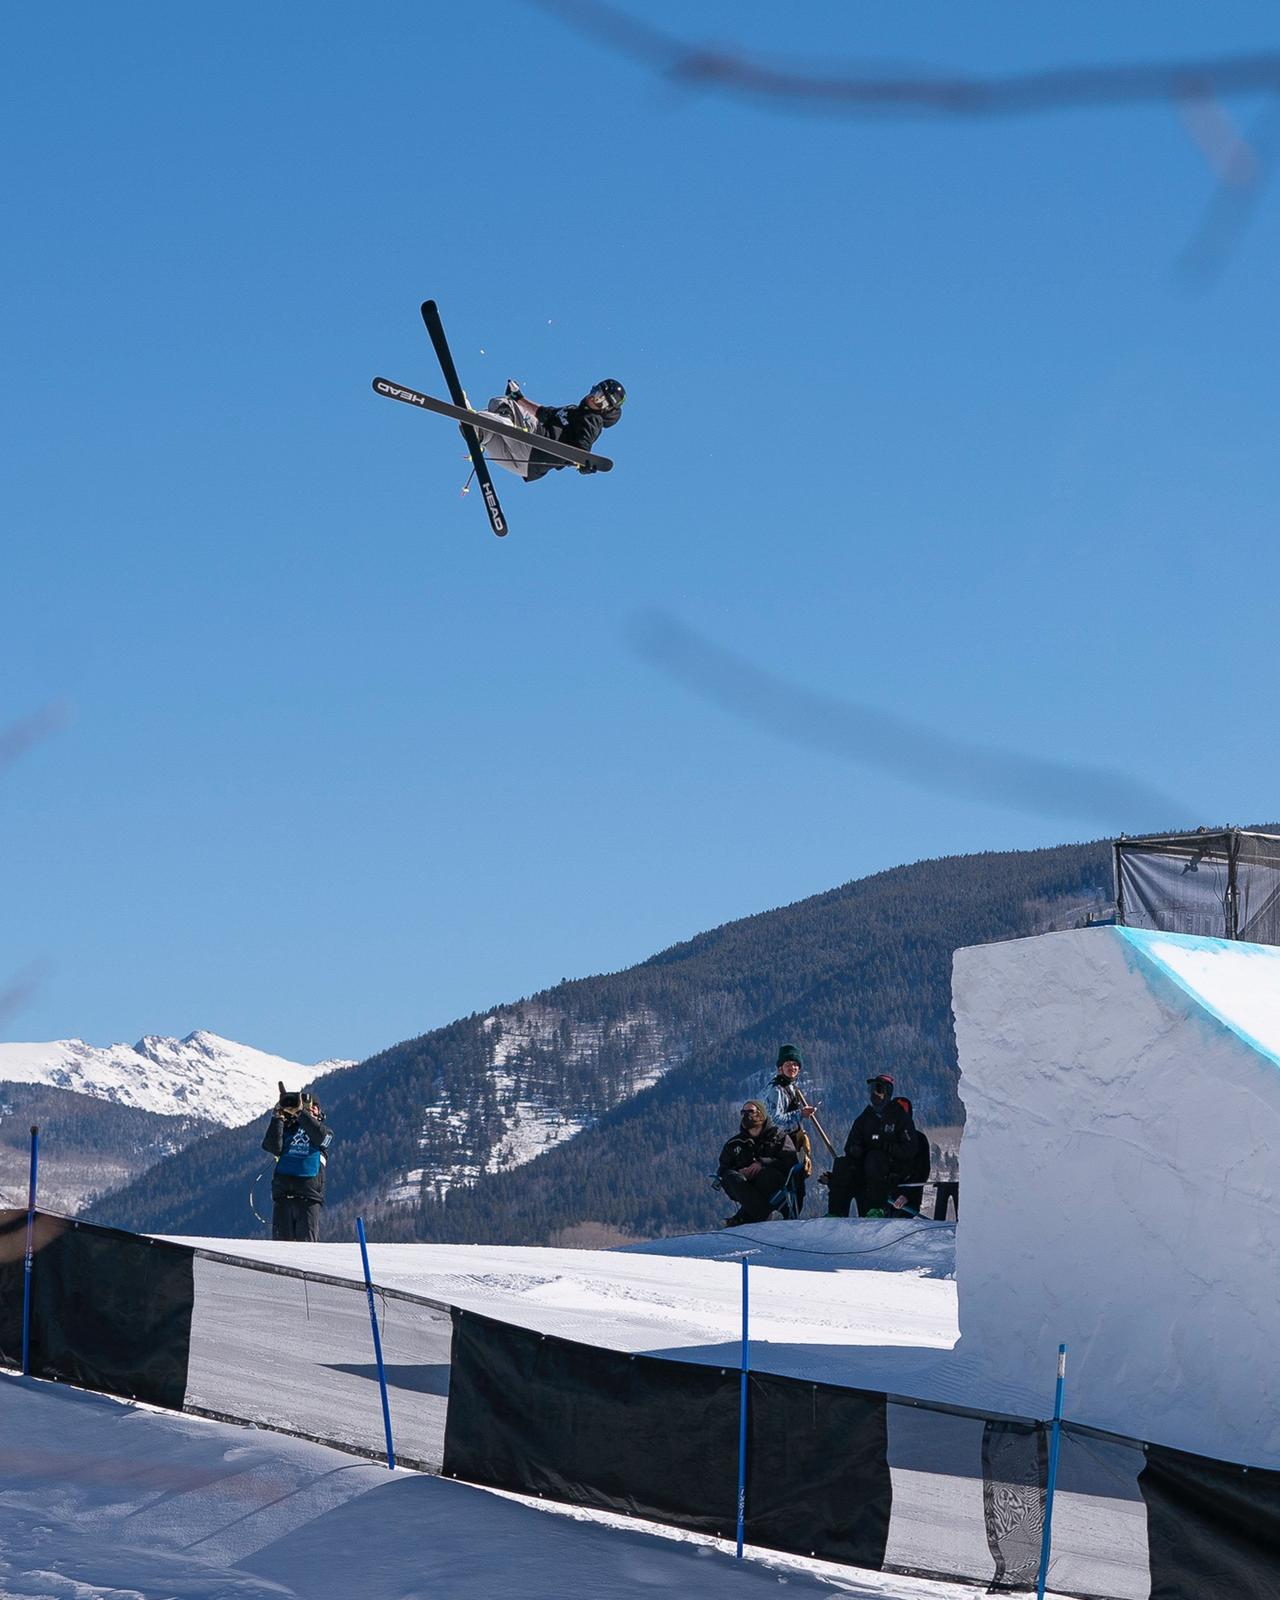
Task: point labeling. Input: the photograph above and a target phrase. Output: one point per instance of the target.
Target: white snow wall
(1121, 1145)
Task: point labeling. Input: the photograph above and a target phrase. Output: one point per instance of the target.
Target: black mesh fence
(244, 1341)
(848, 1475)
(855, 1476)
(1223, 885)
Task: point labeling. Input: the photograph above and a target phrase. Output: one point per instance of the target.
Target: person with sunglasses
(579, 425)
(754, 1165)
(881, 1138)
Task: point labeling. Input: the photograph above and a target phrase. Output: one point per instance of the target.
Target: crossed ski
(462, 411)
(461, 414)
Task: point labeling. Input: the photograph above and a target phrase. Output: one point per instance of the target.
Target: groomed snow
(833, 1299)
(101, 1500)
(202, 1075)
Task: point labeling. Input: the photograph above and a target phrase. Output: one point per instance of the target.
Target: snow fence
(855, 1476)
(241, 1341)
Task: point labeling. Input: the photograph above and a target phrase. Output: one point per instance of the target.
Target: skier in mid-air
(514, 433)
(580, 425)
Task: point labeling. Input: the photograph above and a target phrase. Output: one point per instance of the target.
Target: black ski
(508, 430)
(431, 316)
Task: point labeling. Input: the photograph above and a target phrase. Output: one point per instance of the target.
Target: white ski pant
(512, 454)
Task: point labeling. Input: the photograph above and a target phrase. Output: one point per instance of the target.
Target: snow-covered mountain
(202, 1075)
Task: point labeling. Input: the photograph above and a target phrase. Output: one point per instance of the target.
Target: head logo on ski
(514, 432)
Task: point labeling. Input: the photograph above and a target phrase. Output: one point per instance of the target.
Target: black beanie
(788, 1052)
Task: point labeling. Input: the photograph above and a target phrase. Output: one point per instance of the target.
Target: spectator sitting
(754, 1165)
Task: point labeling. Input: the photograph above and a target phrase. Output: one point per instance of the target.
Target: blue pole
(377, 1344)
(30, 1255)
(1055, 1441)
(742, 1418)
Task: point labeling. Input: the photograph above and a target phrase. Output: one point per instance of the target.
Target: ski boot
(514, 395)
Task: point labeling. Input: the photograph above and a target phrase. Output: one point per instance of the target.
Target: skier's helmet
(611, 392)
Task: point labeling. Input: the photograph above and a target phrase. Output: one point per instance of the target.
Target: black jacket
(911, 1164)
(770, 1146)
(577, 425)
(299, 1141)
(880, 1140)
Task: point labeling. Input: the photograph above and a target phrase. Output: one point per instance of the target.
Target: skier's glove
(587, 467)
(514, 391)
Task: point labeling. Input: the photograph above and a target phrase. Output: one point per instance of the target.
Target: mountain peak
(202, 1074)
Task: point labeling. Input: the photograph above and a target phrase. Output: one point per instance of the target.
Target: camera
(291, 1102)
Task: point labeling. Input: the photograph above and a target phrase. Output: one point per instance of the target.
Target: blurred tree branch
(15, 741)
(1196, 86)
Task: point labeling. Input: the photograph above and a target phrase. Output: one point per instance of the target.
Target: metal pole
(377, 1344)
(742, 1417)
(1117, 879)
(30, 1255)
(1055, 1442)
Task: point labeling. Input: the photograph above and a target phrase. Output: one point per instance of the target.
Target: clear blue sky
(921, 417)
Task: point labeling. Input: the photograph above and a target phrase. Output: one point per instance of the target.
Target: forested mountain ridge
(88, 1145)
(630, 1079)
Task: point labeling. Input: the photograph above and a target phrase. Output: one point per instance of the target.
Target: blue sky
(921, 417)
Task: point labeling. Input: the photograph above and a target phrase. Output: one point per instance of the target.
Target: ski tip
(430, 309)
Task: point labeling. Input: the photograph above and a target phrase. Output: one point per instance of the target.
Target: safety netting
(243, 1341)
(1221, 885)
(849, 1475)
(856, 1476)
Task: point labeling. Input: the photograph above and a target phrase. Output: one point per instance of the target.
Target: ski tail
(431, 316)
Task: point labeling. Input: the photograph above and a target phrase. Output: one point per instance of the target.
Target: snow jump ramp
(1121, 1146)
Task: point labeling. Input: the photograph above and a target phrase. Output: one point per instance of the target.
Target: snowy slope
(203, 1074)
(531, 1046)
(101, 1500)
(832, 1299)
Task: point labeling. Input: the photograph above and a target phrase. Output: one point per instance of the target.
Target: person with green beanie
(788, 1109)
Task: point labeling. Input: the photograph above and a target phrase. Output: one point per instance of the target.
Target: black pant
(873, 1191)
(859, 1186)
(293, 1216)
(841, 1188)
(752, 1195)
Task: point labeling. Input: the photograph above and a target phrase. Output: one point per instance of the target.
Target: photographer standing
(298, 1138)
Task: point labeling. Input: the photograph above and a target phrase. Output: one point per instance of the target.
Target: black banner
(13, 1244)
(817, 1470)
(1213, 1529)
(109, 1310)
(659, 1439)
(632, 1434)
